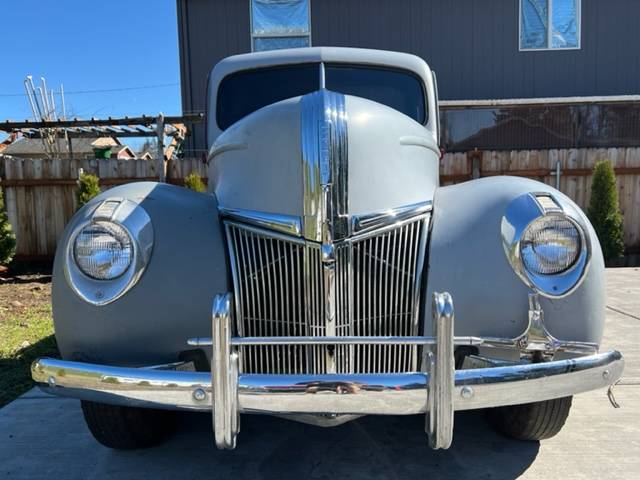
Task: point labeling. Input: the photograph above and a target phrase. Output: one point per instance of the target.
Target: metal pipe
(64, 107)
(53, 106)
(45, 98)
(35, 97)
(346, 340)
(28, 85)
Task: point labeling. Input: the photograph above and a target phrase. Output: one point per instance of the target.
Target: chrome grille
(279, 291)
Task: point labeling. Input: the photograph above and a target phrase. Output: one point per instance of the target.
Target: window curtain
(533, 28)
(564, 18)
(280, 17)
(261, 44)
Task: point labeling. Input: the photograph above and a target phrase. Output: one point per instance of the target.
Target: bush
(88, 187)
(194, 182)
(604, 211)
(7, 238)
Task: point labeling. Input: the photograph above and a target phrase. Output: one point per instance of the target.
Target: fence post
(475, 157)
(162, 173)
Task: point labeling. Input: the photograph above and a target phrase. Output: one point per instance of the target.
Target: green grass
(33, 325)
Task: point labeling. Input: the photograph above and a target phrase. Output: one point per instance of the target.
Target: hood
(322, 160)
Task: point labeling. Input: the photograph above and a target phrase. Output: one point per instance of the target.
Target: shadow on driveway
(371, 447)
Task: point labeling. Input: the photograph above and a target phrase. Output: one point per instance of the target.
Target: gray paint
(472, 45)
(173, 298)
(400, 168)
(466, 258)
(393, 161)
(275, 183)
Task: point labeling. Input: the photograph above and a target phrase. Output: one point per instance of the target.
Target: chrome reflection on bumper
(437, 393)
(366, 394)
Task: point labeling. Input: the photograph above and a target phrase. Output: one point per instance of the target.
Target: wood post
(475, 163)
(162, 171)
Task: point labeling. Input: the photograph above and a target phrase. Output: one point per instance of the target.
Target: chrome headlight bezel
(520, 214)
(135, 221)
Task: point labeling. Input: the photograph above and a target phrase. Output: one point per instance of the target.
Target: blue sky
(92, 45)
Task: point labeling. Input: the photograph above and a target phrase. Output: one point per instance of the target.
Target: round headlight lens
(550, 245)
(103, 250)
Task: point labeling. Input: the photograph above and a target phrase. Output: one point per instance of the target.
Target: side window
(549, 24)
(277, 24)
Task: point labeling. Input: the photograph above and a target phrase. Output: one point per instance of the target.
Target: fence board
(40, 193)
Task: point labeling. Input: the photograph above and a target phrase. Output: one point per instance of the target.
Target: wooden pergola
(145, 126)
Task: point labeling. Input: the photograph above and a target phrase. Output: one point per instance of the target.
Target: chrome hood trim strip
(375, 220)
(325, 172)
(288, 224)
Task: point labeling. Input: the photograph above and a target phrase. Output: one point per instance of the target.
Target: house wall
(472, 45)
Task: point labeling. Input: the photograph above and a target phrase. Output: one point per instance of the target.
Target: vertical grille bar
(280, 292)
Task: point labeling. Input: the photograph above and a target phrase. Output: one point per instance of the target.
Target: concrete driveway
(45, 437)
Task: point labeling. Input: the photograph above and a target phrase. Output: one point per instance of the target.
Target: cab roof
(289, 56)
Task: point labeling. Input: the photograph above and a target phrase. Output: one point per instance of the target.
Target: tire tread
(531, 421)
(126, 428)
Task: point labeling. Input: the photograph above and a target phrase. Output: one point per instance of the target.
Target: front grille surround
(280, 291)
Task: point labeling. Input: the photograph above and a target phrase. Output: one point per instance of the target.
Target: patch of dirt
(23, 292)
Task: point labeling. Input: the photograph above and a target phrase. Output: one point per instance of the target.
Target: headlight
(545, 243)
(107, 254)
(103, 250)
(550, 245)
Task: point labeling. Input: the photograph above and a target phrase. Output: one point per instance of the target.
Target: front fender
(172, 300)
(467, 259)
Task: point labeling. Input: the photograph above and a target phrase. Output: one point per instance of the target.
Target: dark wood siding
(471, 44)
(209, 30)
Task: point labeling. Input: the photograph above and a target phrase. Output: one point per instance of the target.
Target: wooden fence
(575, 178)
(40, 194)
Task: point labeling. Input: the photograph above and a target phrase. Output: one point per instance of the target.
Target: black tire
(531, 421)
(126, 428)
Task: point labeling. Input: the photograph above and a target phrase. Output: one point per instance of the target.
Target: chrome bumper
(437, 392)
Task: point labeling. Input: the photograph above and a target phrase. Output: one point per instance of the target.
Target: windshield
(244, 92)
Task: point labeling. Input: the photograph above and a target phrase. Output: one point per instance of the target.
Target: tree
(604, 211)
(194, 182)
(149, 145)
(7, 238)
(88, 187)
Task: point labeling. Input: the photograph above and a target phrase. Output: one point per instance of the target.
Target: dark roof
(34, 146)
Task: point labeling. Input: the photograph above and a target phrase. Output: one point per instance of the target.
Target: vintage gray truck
(318, 276)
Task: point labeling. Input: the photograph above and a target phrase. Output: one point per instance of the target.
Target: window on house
(277, 24)
(549, 24)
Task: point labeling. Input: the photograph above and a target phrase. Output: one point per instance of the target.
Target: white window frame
(550, 29)
(276, 35)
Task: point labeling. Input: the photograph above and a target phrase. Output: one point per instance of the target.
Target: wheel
(531, 421)
(127, 428)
